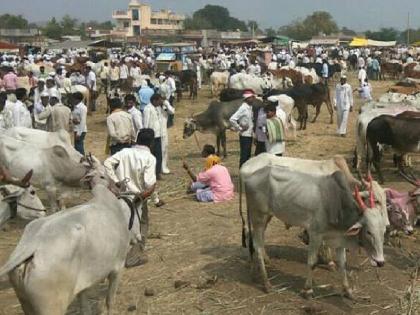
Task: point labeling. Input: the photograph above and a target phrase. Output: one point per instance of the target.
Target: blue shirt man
(145, 93)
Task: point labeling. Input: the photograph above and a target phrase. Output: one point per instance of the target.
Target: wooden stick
(196, 141)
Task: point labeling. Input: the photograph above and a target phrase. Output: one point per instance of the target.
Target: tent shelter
(363, 42)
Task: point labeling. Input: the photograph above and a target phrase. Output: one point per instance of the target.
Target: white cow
(23, 202)
(75, 88)
(241, 81)
(61, 255)
(55, 163)
(218, 81)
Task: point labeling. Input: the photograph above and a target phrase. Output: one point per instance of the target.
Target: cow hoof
(308, 294)
(348, 293)
(268, 288)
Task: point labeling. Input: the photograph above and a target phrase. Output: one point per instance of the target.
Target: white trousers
(164, 141)
(342, 119)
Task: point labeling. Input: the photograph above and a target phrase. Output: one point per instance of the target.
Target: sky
(356, 14)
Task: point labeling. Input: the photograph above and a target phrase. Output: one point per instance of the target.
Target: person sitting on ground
(214, 183)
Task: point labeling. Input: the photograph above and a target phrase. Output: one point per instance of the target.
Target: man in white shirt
(120, 127)
(344, 104)
(362, 76)
(91, 85)
(242, 121)
(136, 115)
(152, 118)
(79, 115)
(20, 113)
(170, 81)
(138, 165)
(166, 110)
(104, 76)
(58, 116)
(123, 72)
(114, 76)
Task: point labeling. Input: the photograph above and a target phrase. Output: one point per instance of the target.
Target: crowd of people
(37, 101)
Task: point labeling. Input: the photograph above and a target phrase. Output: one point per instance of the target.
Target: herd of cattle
(90, 242)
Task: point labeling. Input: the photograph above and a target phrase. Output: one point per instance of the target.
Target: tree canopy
(10, 21)
(214, 17)
(384, 34)
(319, 22)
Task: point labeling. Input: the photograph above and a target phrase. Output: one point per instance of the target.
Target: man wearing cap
(242, 121)
(344, 104)
(58, 116)
(20, 113)
(39, 107)
(134, 169)
(120, 127)
(79, 115)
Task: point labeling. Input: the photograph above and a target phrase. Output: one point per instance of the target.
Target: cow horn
(359, 200)
(411, 179)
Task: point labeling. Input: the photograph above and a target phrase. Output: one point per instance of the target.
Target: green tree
(69, 25)
(214, 17)
(53, 29)
(384, 34)
(347, 31)
(13, 21)
(319, 22)
(270, 32)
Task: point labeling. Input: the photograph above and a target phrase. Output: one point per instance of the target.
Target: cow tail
(241, 214)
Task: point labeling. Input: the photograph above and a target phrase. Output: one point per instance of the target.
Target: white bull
(61, 255)
(23, 202)
(322, 204)
(241, 81)
(55, 163)
(75, 88)
(218, 81)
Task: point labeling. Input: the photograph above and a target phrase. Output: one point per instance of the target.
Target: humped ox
(241, 81)
(61, 255)
(20, 201)
(215, 120)
(326, 210)
(55, 163)
(218, 81)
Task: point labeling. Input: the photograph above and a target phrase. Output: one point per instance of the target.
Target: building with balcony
(139, 17)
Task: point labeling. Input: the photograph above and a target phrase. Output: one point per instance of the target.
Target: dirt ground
(196, 262)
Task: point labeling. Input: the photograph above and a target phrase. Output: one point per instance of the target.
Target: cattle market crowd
(48, 98)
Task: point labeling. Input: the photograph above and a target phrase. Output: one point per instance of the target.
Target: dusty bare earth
(201, 244)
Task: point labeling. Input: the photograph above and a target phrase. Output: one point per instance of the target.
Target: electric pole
(408, 29)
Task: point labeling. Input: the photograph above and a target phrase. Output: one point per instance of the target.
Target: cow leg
(258, 241)
(318, 110)
(266, 257)
(84, 303)
(341, 259)
(315, 242)
(223, 141)
(113, 279)
(52, 198)
(218, 144)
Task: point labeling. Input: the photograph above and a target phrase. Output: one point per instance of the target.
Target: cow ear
(354, 230)
(59, 151)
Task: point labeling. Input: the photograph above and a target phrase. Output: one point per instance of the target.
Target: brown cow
(392, 69)
(410, 72)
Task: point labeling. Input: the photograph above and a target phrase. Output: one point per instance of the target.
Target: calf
(218, 80)
(323, 205)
